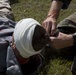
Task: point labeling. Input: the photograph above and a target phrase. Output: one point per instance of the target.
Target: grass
(38, 10)
(59, 67)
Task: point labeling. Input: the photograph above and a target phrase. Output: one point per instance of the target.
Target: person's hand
(61, 41)
(50, 25)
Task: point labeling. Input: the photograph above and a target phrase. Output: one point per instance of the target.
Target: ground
(38, 10)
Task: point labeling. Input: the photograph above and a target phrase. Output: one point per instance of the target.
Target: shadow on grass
(58, 59)
(14, 1)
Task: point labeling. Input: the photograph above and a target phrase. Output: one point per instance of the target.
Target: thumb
(52, 38)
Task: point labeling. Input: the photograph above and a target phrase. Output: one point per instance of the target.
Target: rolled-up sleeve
(65, 3)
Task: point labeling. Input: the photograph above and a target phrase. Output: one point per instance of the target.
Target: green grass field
(38, 10)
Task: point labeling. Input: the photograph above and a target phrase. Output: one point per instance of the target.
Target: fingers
(47, 26)
(53, 28)
(50, 26)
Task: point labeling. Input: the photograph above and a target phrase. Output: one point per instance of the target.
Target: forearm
(62, 41)
(55, 9)
(69, 41)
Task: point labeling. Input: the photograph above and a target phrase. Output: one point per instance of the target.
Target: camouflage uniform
(67, 26)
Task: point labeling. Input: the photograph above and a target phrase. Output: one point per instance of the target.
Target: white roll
(23, 34)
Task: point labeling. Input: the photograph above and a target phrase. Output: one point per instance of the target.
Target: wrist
(52, 18)
(70, 40)
(53, 15)
(49, 15)
(55, 9)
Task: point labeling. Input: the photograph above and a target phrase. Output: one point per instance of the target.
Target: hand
(50, 25)
(61, 41)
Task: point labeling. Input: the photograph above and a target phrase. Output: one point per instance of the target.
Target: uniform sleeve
(65, 3)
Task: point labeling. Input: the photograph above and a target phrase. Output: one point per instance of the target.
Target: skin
(50, 23)
(61, 41)
(39, 41)
(18, 56)
(41, 38)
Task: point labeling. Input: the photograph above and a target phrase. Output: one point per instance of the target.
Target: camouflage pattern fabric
(67, 26)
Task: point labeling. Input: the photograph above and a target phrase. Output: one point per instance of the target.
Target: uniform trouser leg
(73, 67)
(68, 26)
(5, 9)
